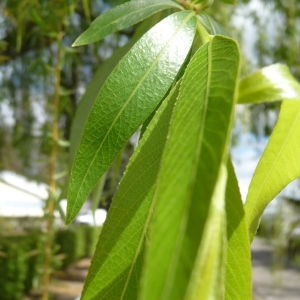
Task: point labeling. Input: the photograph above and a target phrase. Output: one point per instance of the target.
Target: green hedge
(294, 249)
(21, 256)
(76, 242)
(18, 264)
(91, 237)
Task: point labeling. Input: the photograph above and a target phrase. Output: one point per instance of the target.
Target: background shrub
(21, 256)
(18, 264)
(76, 242)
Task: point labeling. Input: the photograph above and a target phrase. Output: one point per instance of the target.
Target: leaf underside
(238, 279)
(197, 144)
(278, 165)
(269, 84)
(122, 236)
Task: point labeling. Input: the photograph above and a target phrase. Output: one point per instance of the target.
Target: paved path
(270, 282)
(68, 285)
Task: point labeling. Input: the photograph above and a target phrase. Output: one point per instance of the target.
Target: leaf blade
(211, 25)
(208, 272)
(120, 229)
(96, 83)
(238, 277)
(194, 132)
(269, 84)
(89, 97)
(121, 17)
(278, 165)
(153, 64)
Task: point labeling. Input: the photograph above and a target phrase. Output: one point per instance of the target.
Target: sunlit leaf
(271, 83)
(196, 146)
(238, 279)
(88, 99)
(121, 17)
(126, 99)
(95, 84)
(123, 233)
(278, 165)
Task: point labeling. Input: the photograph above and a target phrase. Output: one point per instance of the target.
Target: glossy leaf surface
(121, 17)
(123, 233)
(196, 146)
(238, 277)
(88, 99)
(95, 84)
(126, 99)
(278, 165)
(271, 83)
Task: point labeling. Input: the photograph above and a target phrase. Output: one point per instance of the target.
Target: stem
(194, 5)
(50, 207)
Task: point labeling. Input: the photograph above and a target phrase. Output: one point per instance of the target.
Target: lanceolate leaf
(196, 147)
(121, 17)
(238, 279)
(278, 165)
(90, 95)
(271, 83)
(123, 233)
(126, 99)
(207, 279)
(95, 84)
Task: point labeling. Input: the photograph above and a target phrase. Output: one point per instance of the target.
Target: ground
(271, 281)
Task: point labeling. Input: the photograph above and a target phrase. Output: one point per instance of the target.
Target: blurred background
(43, 79)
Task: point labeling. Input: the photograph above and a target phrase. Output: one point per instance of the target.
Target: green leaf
(88, 99)
(278, 165)
(128, 96)
(238, 277)
(271, 83)
(96, 196)
(211, 25)
(121, 17)
(197, 145)
(123, 233)
(208, 274)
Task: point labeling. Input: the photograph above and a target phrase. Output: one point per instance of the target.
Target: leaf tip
(69, 216)
(77, 43)
(71, 210)
(80, 40)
